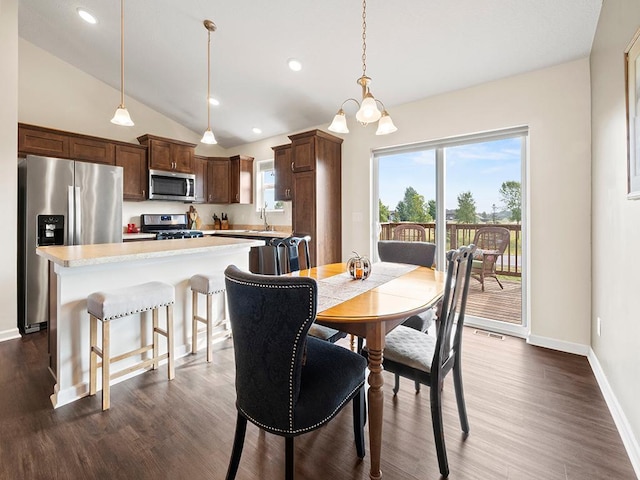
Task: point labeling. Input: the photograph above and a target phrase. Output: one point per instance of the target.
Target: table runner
(342, 287)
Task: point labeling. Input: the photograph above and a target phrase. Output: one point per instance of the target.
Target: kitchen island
(77, 271)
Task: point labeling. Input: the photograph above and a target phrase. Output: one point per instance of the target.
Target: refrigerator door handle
(78, 220)
(70, 216)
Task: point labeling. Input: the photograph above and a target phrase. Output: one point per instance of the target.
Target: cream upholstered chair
(208, 285)
(116, 304)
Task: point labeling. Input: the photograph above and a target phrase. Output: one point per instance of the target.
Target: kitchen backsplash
(240, 216)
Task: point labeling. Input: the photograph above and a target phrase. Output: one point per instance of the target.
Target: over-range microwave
(171, 186)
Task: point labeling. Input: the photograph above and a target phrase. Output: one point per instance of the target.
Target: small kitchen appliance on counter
(168, 226)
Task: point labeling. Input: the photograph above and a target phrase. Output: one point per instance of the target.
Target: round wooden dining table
(371, 314)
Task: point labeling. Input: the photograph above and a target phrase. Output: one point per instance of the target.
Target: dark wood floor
(534, 414)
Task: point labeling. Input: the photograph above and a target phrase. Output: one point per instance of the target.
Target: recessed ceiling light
(295, 65)
(86, 16)
(213, 101)
(256, 130)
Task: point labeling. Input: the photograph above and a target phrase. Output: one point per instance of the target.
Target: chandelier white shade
(208, 137)
(368, 111)
(122, 116)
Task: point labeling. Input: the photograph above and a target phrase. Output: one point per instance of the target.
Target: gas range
(168, 226)
(174, 234)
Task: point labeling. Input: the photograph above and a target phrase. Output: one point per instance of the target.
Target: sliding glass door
(463, 190)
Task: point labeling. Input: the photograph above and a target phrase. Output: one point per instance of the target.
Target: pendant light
(121, 116)
(208, 136)
(368, 111)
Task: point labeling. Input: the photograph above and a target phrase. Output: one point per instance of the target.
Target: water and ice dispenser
(50, 230)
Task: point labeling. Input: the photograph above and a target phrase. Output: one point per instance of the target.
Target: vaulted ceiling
(415, 49)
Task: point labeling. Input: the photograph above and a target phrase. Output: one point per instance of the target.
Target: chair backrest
(492, 238)
(291, 246)
(414, 253)
(452, 309)
(270, 317)
(410, 233)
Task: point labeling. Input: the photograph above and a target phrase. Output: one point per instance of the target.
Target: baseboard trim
(622, 424)
(10, 334)
(553, 344)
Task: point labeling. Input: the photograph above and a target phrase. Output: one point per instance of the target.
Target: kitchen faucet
(263, 216)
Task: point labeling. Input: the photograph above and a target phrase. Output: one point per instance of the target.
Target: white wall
(8, 162)
(616, 231)
(555, 104)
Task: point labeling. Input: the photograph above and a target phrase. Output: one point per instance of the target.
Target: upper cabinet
(169, 155)
(133, 160)
(283, 169)
(33, 140)
(218, 180)
(200, 167)
(241, 179)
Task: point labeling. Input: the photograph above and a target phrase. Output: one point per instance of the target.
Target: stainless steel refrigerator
(60, 202)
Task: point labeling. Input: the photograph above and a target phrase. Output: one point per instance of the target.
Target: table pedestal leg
(376, 400)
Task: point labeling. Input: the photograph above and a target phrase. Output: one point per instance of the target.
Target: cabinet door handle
(144, 194)
(237, 197)
(292, 166)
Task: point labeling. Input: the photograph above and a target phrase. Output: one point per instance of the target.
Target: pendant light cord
(209, 80)
(364, 38)
(122, 53)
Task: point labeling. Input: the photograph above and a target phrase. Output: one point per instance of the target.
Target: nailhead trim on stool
(114, 304)
(208, 285)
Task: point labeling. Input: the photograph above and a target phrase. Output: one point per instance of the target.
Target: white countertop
(81, 255)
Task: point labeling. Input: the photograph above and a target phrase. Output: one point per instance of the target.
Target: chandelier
(208, 136)
(368, 111)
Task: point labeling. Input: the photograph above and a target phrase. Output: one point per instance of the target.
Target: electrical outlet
(598, 326)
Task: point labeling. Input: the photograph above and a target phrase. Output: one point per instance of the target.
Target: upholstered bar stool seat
(208, 285)
(115, 304)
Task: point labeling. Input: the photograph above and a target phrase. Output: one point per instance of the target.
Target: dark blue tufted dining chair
(287, 383)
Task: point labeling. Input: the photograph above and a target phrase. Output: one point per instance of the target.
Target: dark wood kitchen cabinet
(168, 155)
(283, 169)
(34, 140)
(212, 179)
(317, 193)
(241, 179)
(200, 168)
(133, 160)
(92, 150)
(218, 183)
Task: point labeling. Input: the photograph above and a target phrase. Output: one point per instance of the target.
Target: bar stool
(108, 306)
(208, 285)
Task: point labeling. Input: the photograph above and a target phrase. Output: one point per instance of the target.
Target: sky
(480, 168)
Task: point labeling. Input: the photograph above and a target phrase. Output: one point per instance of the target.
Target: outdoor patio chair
(410, 232)
(491, 243)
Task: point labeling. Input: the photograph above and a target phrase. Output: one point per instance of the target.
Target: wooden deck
(494, 303)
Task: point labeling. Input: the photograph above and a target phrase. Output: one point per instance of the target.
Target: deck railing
(463, 233)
